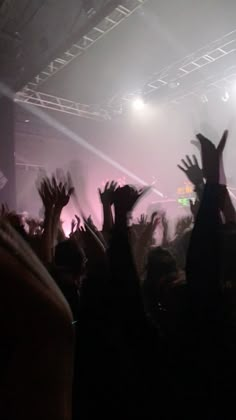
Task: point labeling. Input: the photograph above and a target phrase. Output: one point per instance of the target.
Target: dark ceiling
(33, 32)
(155, 36)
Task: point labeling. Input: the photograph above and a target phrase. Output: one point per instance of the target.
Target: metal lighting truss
(175, 73)
(54, 103)
(120, 13)
(170, 76)
(202, 89)
(31, 166)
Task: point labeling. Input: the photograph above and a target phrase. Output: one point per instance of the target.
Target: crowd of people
(110, 324)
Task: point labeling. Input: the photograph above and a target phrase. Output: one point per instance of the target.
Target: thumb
(196, 144)
(201, 138)
(223, 141)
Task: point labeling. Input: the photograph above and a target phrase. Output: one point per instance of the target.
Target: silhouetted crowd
(108, 324)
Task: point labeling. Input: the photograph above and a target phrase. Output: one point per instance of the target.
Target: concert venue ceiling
(163, 50)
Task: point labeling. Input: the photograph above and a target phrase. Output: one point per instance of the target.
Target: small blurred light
(27, 121)
(138, 104)
(174, 85)
(225, 97)
(204, 99)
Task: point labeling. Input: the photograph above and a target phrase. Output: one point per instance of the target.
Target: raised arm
(203, 259)
(194, 173)
(125, 281)
(106, 197)
(144, 242)
(55, 195)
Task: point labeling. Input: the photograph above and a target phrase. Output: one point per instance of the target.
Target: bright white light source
(138, 104)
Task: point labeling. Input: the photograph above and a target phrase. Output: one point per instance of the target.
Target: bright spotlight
(138, 104)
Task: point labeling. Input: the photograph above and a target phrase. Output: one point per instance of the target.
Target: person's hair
(69, 256)
(160, 264)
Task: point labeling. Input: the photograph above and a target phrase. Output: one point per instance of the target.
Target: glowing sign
(185, 193)
(183, 202)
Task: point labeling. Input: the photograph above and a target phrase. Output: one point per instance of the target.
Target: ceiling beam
(83, 43)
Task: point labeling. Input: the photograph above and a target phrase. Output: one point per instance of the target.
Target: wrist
(48, 210)
(199, 185)
(57, 210)
(121, 218)
(106, 205)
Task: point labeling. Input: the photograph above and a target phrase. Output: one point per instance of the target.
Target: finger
(196, 144)
(223, 140)
(206, 144)
(156, 222)
(154, 214)
(99, 192)
(201, 138)
(185, 163)
(195, 160)
(69, 180)
(189, 160)
(181, 168)
(53, 183)
(106, 185)
(112, 186)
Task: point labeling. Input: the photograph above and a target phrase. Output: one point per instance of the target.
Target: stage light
(225, 97)
(138, 104)
(204, 99)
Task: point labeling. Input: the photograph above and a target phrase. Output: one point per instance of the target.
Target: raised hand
(182, 224)
(107, 195)
(149, 225)
(56, 192)
(192, 170)
(73, 225)
(125, 198)
(154, 222)
(35, 226)
(46, 193)
(62, 186)
(143, 220)
(165, 226)
(212, 157)
(89, 223)
(78, 222)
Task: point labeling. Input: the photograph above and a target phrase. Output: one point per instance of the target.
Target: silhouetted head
(161, 271)
(70, 257)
